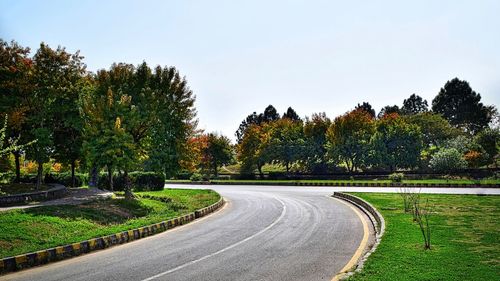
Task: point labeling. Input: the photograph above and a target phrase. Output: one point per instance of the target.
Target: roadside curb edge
(41, 257)
(377, 221)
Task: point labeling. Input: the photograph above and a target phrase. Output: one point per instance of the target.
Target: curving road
(262, 233)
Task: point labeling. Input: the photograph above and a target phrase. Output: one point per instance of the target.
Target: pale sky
(316, 56)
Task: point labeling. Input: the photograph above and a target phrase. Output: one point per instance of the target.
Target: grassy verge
(33, 229)
(425, 181)
(465, 240)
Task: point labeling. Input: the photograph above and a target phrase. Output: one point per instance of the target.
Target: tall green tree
(462, 106)
(16, 87)
(217, 153)
(396, 144)
(287, 142)
(315, 129)
(435, 129)
(489, 140)
(56, 76)
(413, 105)
(388, 109)
(291, 114)
(366, 106)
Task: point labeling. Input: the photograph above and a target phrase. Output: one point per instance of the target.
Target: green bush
(447, 160)
(65, 179)
(147, 181)
(396, 177)
(196, 177)
(7, 177)
(141, 181)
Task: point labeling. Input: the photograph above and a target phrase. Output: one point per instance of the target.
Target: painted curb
(23, 261)
(57, 191)
(363, 184)
(377, 221)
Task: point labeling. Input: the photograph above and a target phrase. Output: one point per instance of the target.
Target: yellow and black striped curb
(354, 184)
(71, 250)
(372, 213)
(378, 223)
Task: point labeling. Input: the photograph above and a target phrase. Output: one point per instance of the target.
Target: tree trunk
(93, 177)
(17, 156)
(39, 175)
(261, 174)
(73, 173)
(128, 189)
(110, 177)
(216, 173)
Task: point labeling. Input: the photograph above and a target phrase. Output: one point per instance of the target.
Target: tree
(435, 129)
(252, 151)
(489, 140)
(16, 69)
(413, 105)
(349, 138)
(396, 144)
(461, 106)
(270, 114)
(7, 147)
(388, 109)
(55, 75)
(315, 129)
(366, 107)
(286, 144)
(217, 153)
(291, 114)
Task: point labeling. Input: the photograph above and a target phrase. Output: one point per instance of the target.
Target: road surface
(262, 233)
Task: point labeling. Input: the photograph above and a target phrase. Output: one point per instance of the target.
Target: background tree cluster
(457, 132)
(121, 119)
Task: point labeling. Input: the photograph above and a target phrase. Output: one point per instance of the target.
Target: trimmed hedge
(65, 179)
(141, 181)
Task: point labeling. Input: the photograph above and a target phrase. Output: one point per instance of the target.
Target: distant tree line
(457, 132)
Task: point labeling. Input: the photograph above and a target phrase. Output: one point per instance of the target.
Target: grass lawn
(465, 240)
(17, 188)
(428, 181)
(28, 230)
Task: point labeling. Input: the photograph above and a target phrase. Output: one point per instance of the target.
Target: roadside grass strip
(93, 226)
(465, 241)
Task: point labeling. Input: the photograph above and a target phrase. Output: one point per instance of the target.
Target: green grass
(33, 229)
(465, 240)
(427, 181)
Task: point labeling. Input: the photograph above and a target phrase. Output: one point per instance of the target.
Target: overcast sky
(315, 56)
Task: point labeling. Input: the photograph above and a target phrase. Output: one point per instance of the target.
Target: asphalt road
(262, 233)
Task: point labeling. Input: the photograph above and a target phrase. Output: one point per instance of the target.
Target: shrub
(196, 177)
(184, 175)
(143, 181)
(396, 177)
(65, 179)
(447, 160)
(7, 177)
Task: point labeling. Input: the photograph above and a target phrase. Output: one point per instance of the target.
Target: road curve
(263, 233)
